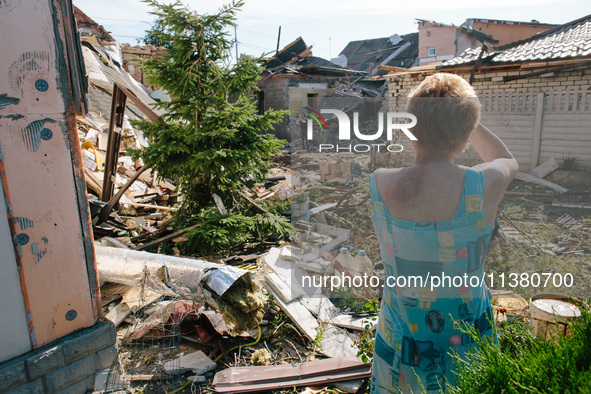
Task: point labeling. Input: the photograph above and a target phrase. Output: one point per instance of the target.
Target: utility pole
(236, 40)
(278, 38)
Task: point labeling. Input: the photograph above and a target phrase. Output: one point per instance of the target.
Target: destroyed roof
(399, 51)
(87, 27)
(287, 53)
(316, 66)
(533, 22)
(104, 68)
(571, 40)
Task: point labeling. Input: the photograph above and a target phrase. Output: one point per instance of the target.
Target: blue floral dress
(416, 332)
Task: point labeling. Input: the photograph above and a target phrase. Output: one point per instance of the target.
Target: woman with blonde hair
(434, 222)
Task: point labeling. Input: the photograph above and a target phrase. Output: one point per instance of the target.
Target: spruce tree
(214, 141)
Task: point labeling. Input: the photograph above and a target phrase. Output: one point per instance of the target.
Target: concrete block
(82, 387)
(105, 357)
(90, 341)
(70, 374)
(35, 387)
(45, 362)
(12, 375)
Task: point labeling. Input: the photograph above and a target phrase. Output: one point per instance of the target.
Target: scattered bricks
(105, 357)
(81, 387)
(90, 341)
(70, 374)
(12, 376)
(45, 362)
(35, 387)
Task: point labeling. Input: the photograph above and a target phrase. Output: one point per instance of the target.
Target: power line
(120, 20)
(120, 35)
(255, 32)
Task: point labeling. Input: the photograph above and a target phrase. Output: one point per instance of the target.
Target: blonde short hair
(447, 110)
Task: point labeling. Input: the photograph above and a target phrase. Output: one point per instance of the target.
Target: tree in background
(215, 142)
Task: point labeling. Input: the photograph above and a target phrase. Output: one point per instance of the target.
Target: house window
(313, 99)
(430, 51)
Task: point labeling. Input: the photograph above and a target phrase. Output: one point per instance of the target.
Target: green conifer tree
(214, 141)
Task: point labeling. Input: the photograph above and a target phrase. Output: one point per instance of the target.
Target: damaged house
(375, 56)
(295, 79)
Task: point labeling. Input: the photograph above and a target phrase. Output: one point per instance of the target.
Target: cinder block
(82, 387)
(35, 387)
(45, 362)
(12, 375)
(105, 357)
(90, 341)
(70, 374)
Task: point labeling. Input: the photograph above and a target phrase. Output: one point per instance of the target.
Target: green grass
(523, 364)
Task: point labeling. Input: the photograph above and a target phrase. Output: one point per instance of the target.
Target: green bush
(523, 364)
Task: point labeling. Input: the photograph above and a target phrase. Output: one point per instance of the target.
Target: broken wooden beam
(522, 176)
(264, 378)
(166, 238)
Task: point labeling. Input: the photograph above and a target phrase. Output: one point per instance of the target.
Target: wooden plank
(287, 293)
(336, 342)
(118, 314)
(149, 206)
(265, 378)
(166, 238)
(540, 181)
(570, 205)
(298, 313)
(545, 168)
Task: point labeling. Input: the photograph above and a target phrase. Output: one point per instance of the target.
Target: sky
(329, 25)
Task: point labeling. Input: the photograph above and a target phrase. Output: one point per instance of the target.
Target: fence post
(535, 148)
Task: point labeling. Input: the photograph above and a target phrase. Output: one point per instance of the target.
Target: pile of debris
(144, 202)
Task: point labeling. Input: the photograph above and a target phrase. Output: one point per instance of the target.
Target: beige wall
(442, 38)
(507, 33)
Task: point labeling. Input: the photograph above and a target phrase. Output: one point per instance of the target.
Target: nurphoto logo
(395, 121)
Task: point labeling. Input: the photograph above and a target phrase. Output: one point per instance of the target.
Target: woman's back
(429, 266)
(422, 192)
